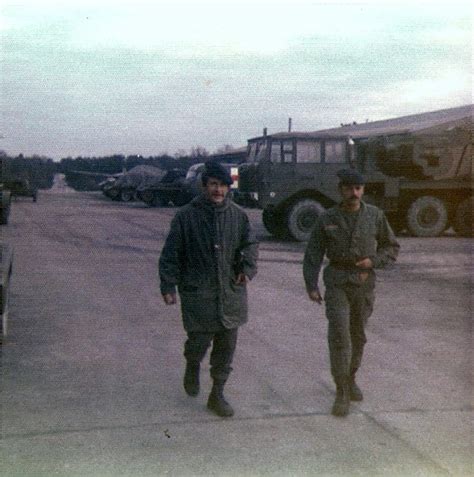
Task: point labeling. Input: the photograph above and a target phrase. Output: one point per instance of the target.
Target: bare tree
(225, 148)
(199, 151)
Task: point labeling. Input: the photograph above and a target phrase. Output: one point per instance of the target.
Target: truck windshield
(257, 151)
(335, 151)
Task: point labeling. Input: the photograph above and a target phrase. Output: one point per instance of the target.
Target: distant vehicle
(5, 202)
(107, 187)
(167, 189)
(123, 187)
(418, 170)
(20, 187)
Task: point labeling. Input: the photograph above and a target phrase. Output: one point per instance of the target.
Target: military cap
(215, 170)
(350, 177)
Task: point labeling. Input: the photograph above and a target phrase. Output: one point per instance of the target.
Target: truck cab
(292, 177)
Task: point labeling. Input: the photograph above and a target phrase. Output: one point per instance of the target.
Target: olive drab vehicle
(418, 169)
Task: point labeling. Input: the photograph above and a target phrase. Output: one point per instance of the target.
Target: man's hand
(365, 263)
(169, 298)
(241, 279)
(314, 295)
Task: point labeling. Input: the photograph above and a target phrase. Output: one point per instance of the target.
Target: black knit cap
(350, 177)
(215, 170)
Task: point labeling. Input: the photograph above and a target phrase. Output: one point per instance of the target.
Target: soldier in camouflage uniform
(356, 238)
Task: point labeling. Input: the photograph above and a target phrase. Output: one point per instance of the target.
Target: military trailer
(418, 170)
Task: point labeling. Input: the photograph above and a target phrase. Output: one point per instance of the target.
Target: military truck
(20, 188)
(418, 170)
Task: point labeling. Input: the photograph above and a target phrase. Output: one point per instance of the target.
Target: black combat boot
(217, 403)
(355, 393)
(340, 407)
(191, 378)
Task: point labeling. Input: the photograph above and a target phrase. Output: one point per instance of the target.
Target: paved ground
(92, 368)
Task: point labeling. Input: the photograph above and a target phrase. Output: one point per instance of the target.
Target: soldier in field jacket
(356, 238)
(210, 255)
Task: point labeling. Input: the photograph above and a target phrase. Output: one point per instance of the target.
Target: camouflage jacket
(371, 237)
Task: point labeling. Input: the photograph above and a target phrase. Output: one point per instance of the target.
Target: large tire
(464, 218)
(147, 197)
(302, 217)
(427, 216)
(113, 194)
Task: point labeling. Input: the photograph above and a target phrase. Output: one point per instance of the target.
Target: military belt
(344, 265)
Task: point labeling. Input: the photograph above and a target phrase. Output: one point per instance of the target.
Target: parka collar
(203, 202)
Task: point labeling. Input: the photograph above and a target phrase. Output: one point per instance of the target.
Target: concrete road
(92, 367)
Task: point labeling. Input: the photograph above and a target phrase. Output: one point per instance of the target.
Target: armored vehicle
(123, 186)
(418, 170)
(167, 189)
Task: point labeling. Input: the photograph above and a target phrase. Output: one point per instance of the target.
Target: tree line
(85, 173)
(39, 171)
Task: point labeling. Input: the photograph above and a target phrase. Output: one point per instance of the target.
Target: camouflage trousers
(348, 308)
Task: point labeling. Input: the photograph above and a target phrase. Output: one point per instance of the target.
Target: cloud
(100, 79)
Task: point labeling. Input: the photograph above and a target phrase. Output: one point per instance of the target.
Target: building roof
(405, 124)
(401, 125)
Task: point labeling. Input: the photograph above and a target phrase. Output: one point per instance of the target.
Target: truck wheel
(126, 196)
(274, 223)
(463, 220)
(302, 217)
(114, 194)
(147, 197)
(427, 217)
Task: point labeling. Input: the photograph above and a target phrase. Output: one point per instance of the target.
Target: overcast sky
(100, 78)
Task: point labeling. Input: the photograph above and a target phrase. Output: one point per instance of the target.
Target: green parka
(207, 247)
